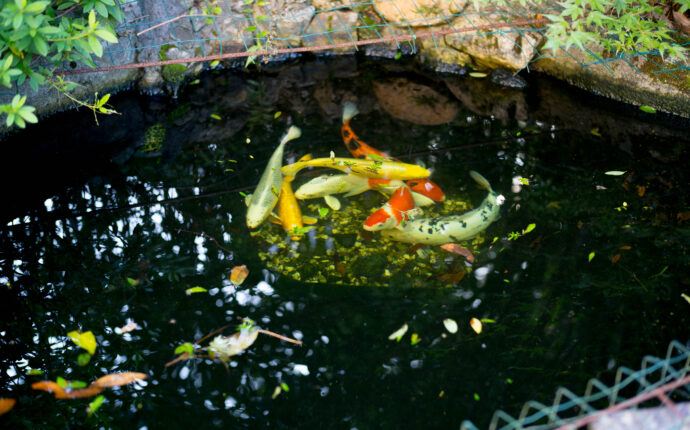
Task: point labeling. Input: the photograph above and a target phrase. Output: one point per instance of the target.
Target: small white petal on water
(399, 333)
(615, 172)
(450, 325)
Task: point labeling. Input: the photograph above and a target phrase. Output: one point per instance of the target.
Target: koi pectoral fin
(309, 220)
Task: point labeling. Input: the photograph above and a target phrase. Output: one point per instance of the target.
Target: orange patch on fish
(427, 188)
(357, 148)
(393, 212)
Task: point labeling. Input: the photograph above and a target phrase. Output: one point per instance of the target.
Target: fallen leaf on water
(476, 325)
(615, 259)
(450, 325)
(478, 75)
(488, 321)
(648, 109)
(683, 216)
(239, 274)
(332, 202)
(641, 190)
(60, 393)
(118, 379)
(190, 291)
(686, 297)
(415, 339)
(615, 172)
(6, 405)
(276, 392)
(84, 340)
(591, 256)
(626, 248)
(224, 347)
(399, 333)
(457, 249)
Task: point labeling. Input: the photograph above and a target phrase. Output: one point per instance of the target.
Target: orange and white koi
(369, 168)
(358, 148)
(396, 211)
(454, 228)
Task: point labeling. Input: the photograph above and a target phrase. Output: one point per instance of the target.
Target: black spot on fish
(464, 224)
(346, 134)
(489, 205)
(430, 230)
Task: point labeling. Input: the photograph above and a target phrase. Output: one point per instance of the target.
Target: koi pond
(135, 231)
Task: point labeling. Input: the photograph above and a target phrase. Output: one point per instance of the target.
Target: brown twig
(281, 337)
(209, 237)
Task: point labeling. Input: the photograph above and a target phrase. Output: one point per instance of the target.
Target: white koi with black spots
(453, 228)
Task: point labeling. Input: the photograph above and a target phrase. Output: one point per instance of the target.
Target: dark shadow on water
(115, 234)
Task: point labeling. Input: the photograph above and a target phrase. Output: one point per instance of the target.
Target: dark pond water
(97, 233)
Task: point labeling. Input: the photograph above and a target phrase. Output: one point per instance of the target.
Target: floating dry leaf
(118, 379)
(239, 274)
(641, 190)
(457, 249)
(450, 325)
(399, 333)
(61, 393)
(6, 405)
(452, 278)
(626, 248)
(224, 347)
(615, 172)
(476, 325)
(615, 259)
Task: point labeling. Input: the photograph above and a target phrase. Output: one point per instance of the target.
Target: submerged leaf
(95, 404)
(615, 259)
(476, 325)
(84, 340)
(6, 405)
(118, 379)
(399, 333)
(450, 325)
(239, 274)
(457, 249)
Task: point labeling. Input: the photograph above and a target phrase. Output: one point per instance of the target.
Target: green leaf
(488, 321)
(92, 19)
(95, 404)
(398, 56)
(591, 256)
(106, 35)
(277, 114)
(686, 297)
(190, 291)
(36, 7)
(185, 347)
(251, 28)
(26, 112)
(476, 396)
(285, 387)
(323, 212)
(216, 117)
(414, 339)
(478, 74)
(83, 359)
(529, 228)
(648, 109)
(95, 46)
(84, 340)
(34, 372)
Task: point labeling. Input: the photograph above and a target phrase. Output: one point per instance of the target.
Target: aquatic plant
(37, 37)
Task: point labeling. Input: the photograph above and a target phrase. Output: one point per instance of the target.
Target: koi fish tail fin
(349, 111)
(481, 180)
(293, 133)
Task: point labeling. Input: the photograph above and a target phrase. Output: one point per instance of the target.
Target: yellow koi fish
(380, 169)
(289, 211)
(265, 196)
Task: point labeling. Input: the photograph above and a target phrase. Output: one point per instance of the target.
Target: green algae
(338, 251)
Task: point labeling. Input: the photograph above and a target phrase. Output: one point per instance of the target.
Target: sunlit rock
(330, 28)
(418, 12)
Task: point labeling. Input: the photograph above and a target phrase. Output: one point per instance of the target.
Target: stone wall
(323, 22)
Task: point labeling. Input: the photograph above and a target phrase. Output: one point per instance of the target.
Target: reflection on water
(107, 245)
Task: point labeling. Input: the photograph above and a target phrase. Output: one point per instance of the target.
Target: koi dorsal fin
(480, 180)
